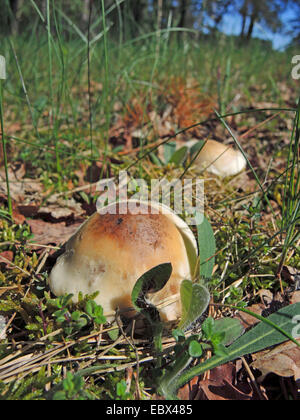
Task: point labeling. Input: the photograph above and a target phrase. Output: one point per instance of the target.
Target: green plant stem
(9, 201)
(290, 204)
(106, 83)
(248, 162)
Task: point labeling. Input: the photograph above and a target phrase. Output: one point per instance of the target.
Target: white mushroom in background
(109, 253)
(218, 158)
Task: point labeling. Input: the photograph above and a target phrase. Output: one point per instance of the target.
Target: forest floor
(87, 126)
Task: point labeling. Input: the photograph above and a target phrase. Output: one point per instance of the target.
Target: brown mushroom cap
(110, 252)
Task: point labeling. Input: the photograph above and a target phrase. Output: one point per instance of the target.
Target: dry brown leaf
(18, 217)
(51, 233)
(290, 274)
(249, 320)
(222, 385)
(223, 390)
(189, 391)
(7, 256)
(59, 209)
(20, 188)
(295, 298)
(283, 360)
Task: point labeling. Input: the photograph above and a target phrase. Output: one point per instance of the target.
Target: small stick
(251, 376)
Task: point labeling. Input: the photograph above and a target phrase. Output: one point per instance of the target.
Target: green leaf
(196, 148)
(169, 149)
(150, 282)
(194, 301)
(207, 247)
(178, 334)
(155, 159)
(179, 156)
(230, 327)
(275, 329)
(208, 328)
(113, 334)
(195, 349)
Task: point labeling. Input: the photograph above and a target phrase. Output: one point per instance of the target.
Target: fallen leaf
(223, 390)
(51, 233)
(291, 275)
(7, 255)
(58, 209)
(21, 189)
(283, 360)
(189, 391)
(222, 385)
(18, 217)
(295, 298)
(57, 213)
(28, 210)
(249, 320)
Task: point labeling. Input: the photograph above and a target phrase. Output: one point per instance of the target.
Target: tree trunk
(16, 8)
(253, 18)
(242, 34)
(182, 13)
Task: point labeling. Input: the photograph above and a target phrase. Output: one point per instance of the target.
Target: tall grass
(3, 139)
(291, 200)
(53, 65)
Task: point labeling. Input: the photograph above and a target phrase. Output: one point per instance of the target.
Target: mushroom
(110, 252)
(218, 158)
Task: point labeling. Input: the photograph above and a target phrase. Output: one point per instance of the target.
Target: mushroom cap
(219, 159)
(109, 253)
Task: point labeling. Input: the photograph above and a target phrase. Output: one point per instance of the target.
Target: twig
(252, 379)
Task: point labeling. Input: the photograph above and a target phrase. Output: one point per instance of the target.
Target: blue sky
(232, 25)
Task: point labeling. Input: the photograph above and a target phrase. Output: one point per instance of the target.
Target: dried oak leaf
(283, 360)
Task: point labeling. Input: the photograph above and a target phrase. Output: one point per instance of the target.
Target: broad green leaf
(207, 247)
(194, 301)
(169, 149)
(230, 327)
(179, 156)
(195, 349)
(275, 329)
(150, 282)
(156, 159)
